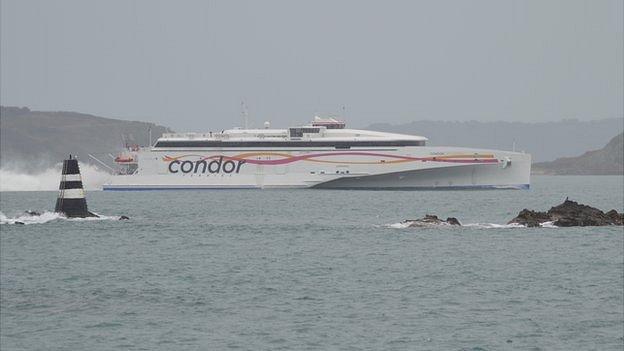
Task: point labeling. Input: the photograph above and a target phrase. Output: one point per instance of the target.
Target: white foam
(505, 226)
(494, 225)
(47, 217)
(414, 224)
(399, 225)
(548, 225)
(28, 219)
(98, 218)
(49, 179)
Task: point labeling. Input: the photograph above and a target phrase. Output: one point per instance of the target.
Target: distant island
(607, 161)
(36, 140)
(545, 141)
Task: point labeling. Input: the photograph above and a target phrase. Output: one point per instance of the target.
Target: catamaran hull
(461, 177)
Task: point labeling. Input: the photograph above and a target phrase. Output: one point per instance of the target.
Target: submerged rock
(429, 220)
(122, 218)
(569, 214)
(32, 213)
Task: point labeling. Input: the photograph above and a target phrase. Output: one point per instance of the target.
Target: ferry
(322, 154)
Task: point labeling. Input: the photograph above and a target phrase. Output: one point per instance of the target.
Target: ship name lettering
(202, 166)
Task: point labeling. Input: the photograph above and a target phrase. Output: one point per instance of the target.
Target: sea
(312, 270)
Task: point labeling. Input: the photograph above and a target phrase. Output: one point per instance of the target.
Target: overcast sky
(189, 64)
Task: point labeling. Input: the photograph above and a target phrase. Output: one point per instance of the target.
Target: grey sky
(188, 64)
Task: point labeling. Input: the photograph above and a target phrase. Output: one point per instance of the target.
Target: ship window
(298, 132)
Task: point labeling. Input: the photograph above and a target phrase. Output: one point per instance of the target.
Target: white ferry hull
(458, 177)
(383, 168)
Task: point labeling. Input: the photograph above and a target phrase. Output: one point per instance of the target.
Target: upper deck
(324, 134)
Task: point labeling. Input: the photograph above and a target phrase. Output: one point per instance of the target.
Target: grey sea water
(312, 270)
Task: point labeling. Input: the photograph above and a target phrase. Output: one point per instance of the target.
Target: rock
(617, 218)
(20, 223)
(573, 214)
(531, 218)
(429, 220)
(121, 218)
(569, 214)
(452, 221)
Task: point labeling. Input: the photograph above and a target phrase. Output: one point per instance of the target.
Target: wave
(48, 216)
(407, 224)
(48, 180)
(494, 225)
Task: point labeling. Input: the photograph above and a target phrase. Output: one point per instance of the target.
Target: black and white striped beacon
(71, 199)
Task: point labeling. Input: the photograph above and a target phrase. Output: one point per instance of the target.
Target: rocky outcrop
(430, 220)
(569, 214)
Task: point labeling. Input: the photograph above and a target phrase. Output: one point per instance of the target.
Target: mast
(245, 114)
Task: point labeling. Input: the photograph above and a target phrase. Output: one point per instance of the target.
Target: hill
(545, 141)
(36, 140)
(607, 161)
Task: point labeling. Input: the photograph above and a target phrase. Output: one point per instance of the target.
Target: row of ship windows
(337, 172)
(290, 144)
(229, 175)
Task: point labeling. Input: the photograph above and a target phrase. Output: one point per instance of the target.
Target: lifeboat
(124, 159)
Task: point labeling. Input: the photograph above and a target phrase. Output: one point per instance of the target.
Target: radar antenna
(245, 114)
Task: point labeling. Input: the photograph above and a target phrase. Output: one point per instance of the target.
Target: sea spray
(15, 179)
(29, 219)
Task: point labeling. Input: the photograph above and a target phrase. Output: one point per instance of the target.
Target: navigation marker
(71, 199)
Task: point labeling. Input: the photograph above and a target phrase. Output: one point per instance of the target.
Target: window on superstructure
(296, 132)
(299, 132)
